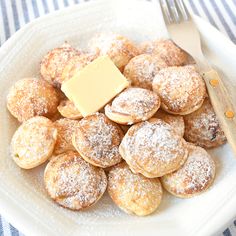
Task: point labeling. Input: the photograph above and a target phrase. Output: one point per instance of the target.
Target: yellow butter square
(95, 85)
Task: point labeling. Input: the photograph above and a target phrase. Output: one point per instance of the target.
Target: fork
(184, 33)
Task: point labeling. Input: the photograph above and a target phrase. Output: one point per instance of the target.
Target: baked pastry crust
(65, 130)
(194, 177)
(31, 97)
(117, 47)
(153, 149)
(202, 127)
(33, 142)
(133, 105)
(133, 193)
(182, 89)
(68, 109)
(97, 139)
(54, 62)
(75, 64)
(142, 69)
(166, 50)
(72, 182)
(176, 121)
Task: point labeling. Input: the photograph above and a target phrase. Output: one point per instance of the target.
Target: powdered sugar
(98, 139)
(195, 176)
(133, 192)
(181, 89)
(153, 147)
(31, 97)
(136, 102)
(203, 128)
(74, 183)
(142, 69)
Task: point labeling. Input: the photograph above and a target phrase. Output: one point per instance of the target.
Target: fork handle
(222, 105)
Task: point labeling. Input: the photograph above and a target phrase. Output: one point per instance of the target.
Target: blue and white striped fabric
(16, 13)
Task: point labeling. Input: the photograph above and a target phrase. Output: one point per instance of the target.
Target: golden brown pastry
(176, 121)
(182, 89)
(117, 47)
(133, 193)
(133, 105)
(166, 50)
(72, 182)
(75, 64)
(33, 142)
(31, 97)
(97, 139)
(153, 149)
(194, 177)
(65, 129)
(202, 127)
(53, 63)
(68, 109)
(142, 69)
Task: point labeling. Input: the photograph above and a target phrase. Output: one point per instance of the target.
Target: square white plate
(22, 197)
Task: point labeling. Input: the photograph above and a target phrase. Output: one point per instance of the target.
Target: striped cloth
(16, 13)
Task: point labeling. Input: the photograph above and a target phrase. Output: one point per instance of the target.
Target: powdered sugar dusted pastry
(33, 142)
(133, 193)
(142, 69)
(117, 47)
(176, 121)
(75, 64)
(202, 127)
(153, 149)
(68, 109)
(72, 182)
(65, 128)
(133, 105)
(166, 50)
(53, 63)
(181, 89)
(31, 97)
(97, 139)
(194, 177)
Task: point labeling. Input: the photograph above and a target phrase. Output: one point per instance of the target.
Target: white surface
(22, 197)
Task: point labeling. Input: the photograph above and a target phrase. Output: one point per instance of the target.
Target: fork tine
(183, 9)
(174, 11)
(166, 12)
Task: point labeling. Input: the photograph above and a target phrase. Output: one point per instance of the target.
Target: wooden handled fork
(184, 33)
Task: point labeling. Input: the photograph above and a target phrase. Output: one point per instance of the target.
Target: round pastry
(166, 50)
(65, 130)
(153, 149)
(97, 139)
(31, 97)
(202, 127)
(75, 64)
(142, 69)
(177, 122)
(182, 89)
(194, 177)
(133, 105)
(117, 47)
(53, 63)
(33, 142)
(68, 109)
(133, 193)
(72, 182)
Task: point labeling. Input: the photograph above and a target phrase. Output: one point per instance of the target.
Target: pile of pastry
(151, 136)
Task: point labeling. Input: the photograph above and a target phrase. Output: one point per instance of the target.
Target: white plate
(22, 197)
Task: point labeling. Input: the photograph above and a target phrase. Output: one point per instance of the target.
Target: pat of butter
(95, 85)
